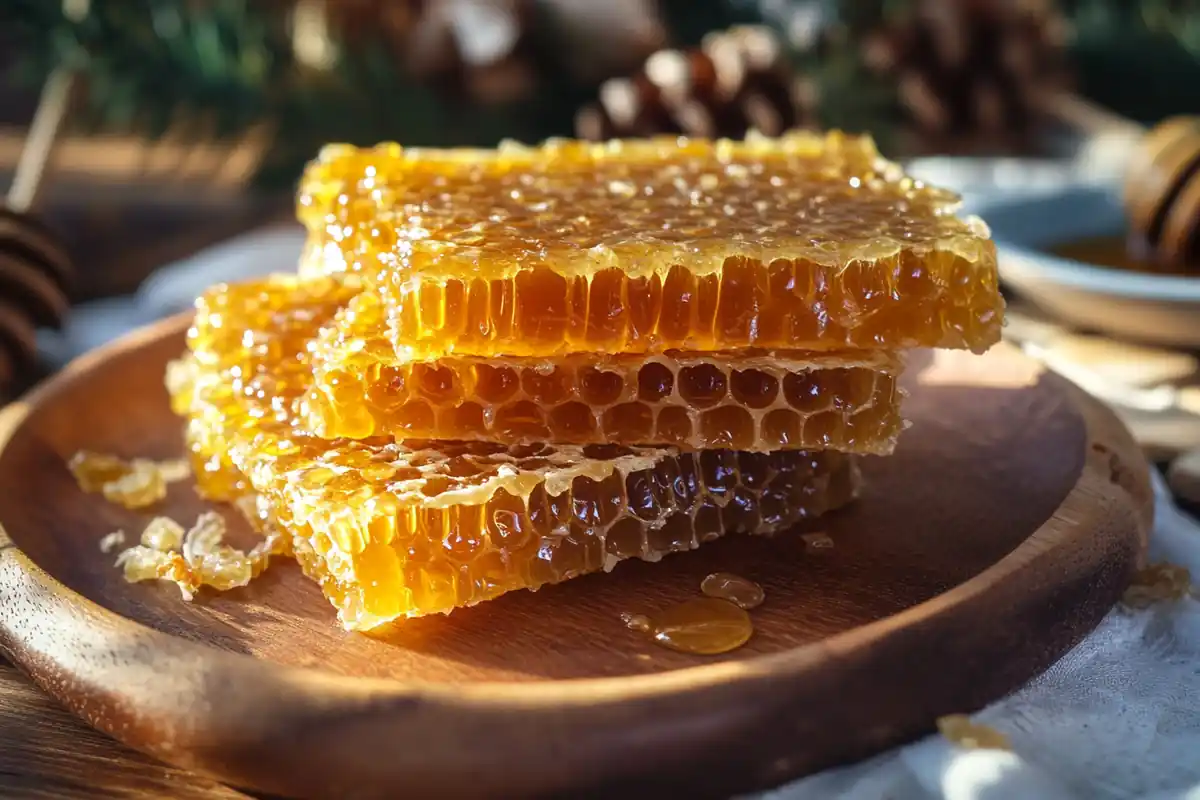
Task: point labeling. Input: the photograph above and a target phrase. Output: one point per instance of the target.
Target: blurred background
(136, 134)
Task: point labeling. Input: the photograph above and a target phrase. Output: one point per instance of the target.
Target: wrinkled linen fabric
(1117, 717)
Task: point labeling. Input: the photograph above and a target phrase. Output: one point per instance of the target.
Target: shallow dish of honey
(1010, 519)
(1065, 252)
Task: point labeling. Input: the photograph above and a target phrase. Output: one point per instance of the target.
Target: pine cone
(474, 48)
(971, 67)
(737, 80)
(35, 272)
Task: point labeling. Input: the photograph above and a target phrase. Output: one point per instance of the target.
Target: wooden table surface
(47, 752)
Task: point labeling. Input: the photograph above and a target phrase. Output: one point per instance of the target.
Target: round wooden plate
(1008, 522)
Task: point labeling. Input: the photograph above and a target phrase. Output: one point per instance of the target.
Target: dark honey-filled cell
(393, 529)
(655, 381)
(702, 385)
(754, 388)
(806, 242)
(684, 399)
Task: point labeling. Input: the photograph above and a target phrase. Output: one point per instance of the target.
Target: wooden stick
(1085, 115)
(39, 145)
(1110, 141)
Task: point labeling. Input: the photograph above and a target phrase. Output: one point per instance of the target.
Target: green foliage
(1147, 20)
(1141, 59)
(144, 60)
(687, 21)
(221, 66)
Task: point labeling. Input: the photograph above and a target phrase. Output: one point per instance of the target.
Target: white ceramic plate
(1158, 309)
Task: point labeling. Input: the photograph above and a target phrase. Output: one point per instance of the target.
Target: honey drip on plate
(741, 592)
(702, 626)
(636, 622)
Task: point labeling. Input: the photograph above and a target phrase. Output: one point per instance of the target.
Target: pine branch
(227, 65)
(141, 61)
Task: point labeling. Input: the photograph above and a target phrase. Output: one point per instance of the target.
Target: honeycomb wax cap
(803, 242)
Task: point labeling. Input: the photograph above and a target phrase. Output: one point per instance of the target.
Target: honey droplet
(962, 731)
(740, 591)
(703, 626)
(817, 541)
(636, 622)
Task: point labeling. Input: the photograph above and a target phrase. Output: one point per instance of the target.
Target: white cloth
(1117, 717)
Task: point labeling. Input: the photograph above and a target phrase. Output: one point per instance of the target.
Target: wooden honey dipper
(1160, 176)
(35, 269)
(1162, 195)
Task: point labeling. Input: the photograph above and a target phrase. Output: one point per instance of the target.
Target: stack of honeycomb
(501, 369)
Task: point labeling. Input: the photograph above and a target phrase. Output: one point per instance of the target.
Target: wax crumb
(1157, 583)
(960, 730)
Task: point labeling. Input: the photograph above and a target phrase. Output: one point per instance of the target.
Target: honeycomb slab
(757, 401)
(805, 242)
(401, 529)
(236, 332)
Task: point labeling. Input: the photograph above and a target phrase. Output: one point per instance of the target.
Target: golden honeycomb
(407, 530)
(755, 401)
(806, 242)
(237, 330)
(393, 529)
